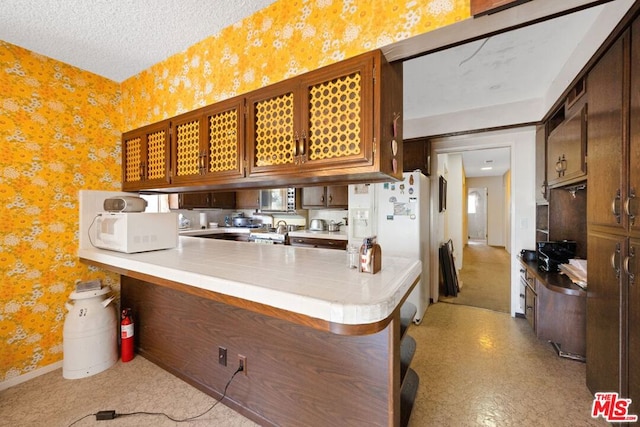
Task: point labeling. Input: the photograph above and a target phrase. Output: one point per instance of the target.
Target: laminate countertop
(556, 282)
(310, 282)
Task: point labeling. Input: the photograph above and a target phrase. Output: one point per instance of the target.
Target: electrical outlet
(242, 362)
(222, 356)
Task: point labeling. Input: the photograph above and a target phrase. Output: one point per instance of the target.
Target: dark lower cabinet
(603, 313)
(556, 310)
(300, 370)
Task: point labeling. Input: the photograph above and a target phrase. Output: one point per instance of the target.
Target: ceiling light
(486, 168)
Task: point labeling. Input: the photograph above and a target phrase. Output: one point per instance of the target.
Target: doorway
(508, 218)
(477, 214)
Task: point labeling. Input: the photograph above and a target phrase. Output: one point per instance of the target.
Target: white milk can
(90, 334)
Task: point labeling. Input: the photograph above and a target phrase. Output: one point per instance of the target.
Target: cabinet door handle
(296, 139)
(303, 147)
(627, 206)
(615, 206)
(203, 156)
(561, 166)
(627, 271)
(330, 198)
(614, 262)
(543, 190)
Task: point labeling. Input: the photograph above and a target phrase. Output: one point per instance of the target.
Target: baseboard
(29, 376)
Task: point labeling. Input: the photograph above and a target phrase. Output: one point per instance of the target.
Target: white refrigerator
(398, 213)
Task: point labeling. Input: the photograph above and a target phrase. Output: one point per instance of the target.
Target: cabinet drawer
(318, 243)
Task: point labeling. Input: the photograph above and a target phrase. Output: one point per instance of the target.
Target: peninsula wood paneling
(295, 375)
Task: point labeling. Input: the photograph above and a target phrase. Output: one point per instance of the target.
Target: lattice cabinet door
(224, 140)
(273, 129)
(338, 115)
(145, 157)
(208, 144)
(188, 154)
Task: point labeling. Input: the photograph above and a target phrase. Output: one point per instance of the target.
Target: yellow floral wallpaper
(60, 132)
(288, 38)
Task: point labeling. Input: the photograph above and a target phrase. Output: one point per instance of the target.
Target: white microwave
(132, 232)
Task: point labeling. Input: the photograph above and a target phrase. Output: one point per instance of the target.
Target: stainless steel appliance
(268, 238)
(278, 200)
(318, 225)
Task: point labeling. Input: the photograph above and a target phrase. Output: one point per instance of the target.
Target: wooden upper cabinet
(188, 153)
(224, 139)
(145, 157)
(332, 125)
(337, 196)
(330, 197)
(607, 191)
(567, 149)
(417, 155)
(273, 129)
(337, 116)
(248, 199)
(314, 198)
(327, 120)
(221, 200)
(208, 144)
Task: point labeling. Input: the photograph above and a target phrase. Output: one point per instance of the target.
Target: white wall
(521, 199)
(456, 195)
(495, 207)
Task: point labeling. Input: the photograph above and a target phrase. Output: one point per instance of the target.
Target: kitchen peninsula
(322, 342)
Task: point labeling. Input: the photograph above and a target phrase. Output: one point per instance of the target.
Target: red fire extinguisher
(126, 335)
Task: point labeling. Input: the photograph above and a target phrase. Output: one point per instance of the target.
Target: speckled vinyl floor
(484, 368)
(477, 368)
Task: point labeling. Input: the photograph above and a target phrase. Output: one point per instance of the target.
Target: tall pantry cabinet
(613, 294)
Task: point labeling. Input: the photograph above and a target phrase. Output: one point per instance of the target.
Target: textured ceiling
(117, 38)
(506, 68)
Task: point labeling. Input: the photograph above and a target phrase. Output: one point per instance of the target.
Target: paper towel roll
(203, 220)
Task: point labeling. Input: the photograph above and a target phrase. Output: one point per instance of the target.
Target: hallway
(485, 277)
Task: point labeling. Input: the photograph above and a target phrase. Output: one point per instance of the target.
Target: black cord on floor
(115, 415)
